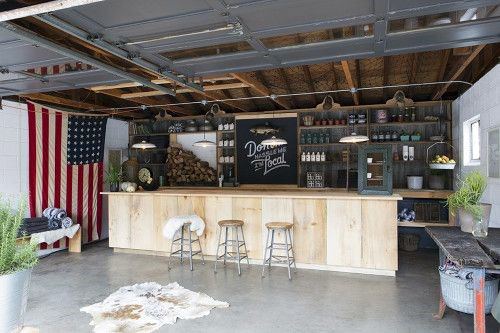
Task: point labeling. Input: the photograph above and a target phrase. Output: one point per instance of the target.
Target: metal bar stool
(289, 258)
(236, 254)
(182, 242)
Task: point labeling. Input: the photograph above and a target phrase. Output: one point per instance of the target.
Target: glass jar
(302, 138)
(479, 228)
(308, 138)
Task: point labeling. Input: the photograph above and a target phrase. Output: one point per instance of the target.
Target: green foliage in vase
(14, 256)
(113, 174)
(468, 195)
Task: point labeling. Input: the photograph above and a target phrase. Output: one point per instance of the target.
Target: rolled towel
(66, 222)
(61, 214)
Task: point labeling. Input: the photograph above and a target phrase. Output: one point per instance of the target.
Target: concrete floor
(314, 301)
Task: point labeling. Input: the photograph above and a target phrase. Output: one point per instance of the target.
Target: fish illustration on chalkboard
(265, 129)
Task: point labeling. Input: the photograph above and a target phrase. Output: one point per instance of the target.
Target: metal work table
(478, 254)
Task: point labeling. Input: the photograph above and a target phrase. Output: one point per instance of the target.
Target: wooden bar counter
(338, 231)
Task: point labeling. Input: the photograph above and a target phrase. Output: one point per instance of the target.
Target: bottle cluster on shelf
(226, 143)
(313, 157)
(316, 137)
(228, 126)
(226, 159)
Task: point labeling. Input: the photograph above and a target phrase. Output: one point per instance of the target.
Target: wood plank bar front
(332, 231)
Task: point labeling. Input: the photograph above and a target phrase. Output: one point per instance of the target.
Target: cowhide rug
(145, 307)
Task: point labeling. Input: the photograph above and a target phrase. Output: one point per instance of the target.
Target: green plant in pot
(464, 203)
(17, 259)
(113, 177)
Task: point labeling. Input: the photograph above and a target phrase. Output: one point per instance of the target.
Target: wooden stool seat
(279, 225)
(230, 223)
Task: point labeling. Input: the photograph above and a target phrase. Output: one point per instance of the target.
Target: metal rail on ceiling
(33, 38)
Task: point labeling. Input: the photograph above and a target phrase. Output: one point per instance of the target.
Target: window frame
(469, 141)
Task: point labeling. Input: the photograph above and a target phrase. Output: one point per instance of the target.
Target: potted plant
(465, 201)
(113, 177)
(17, 259)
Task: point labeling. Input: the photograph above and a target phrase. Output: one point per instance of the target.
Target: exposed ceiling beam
(288, 87)
(57, 100)
(157, 81)
(148, 101)
(187, 90)
(459, 71)
(385, 70)
(41, 8)
(101, 44)
(29, 36)
(310, 83)
(260, 88)
(350, 82)
(357, 69)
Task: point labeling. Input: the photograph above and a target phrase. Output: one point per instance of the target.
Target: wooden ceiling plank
(350, 82)
(459, 71)
(57, 100)
(157, 81)
(358, 77)
(260, 88)
(226, 86)
(385, 70)
(149, 102)
(310, 83)
(288, 87)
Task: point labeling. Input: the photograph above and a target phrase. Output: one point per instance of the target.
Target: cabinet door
(119, 220)
(375, 170)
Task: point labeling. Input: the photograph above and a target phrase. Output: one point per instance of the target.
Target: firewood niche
(184, 168)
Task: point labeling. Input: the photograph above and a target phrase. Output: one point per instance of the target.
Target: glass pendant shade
(354, 138)
(274, 141)
(204, 143)
(143, 145)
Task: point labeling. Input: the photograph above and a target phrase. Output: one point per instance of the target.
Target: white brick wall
(484, 99)
(14, 150)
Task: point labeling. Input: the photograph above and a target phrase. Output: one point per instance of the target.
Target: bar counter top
(236, 192)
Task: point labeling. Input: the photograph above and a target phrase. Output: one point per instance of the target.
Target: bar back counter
(338, 231)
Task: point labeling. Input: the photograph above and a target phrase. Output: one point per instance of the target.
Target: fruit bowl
(442, 166)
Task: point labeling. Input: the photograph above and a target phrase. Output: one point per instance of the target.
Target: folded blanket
(175, 223)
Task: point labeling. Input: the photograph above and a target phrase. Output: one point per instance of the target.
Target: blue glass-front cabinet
(375, 169)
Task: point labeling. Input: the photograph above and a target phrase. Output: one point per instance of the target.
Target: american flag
(65, 166)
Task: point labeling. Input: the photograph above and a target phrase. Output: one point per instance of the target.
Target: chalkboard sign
(258, 164)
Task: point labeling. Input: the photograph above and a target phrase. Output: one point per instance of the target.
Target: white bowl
(369, 160)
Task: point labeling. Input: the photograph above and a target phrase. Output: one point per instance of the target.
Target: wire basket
(441, 166)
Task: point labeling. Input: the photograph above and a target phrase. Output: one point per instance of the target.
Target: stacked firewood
(184, 167)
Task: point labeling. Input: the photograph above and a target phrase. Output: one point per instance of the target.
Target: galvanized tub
(14, 290)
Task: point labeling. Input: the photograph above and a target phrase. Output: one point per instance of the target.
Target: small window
(472, 141)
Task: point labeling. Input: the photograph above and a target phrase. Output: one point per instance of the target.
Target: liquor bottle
(318, 157)
(323, 157)
(303, 157)
(308, 157)
(313, 157)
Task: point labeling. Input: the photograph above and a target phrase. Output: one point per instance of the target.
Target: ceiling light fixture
(204, 143)
(273, 141)
(143, 145)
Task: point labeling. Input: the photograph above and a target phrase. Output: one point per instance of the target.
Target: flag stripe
(32, 158)
(99, 199)
(79, 203)
(90, 200)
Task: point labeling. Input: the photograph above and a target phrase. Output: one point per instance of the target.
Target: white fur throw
(145, 307)
(175, 223)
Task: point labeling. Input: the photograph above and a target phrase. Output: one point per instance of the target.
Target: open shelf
(408, 123)
(314, 127)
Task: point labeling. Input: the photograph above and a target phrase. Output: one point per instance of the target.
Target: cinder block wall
(484, 99)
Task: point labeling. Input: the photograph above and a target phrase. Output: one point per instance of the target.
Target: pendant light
(274, 140)
(354, 137)
(204, 143)
(144, 145)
